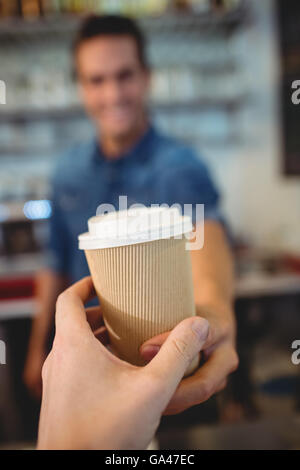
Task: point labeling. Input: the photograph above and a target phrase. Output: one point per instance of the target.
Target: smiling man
(130, 157)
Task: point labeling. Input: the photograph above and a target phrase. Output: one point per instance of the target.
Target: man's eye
(95, 81)
(126, 75)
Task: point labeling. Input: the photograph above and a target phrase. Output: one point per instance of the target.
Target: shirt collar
(139, 152)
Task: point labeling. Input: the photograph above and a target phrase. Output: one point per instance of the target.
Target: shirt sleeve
(58, 239)
(187, 180)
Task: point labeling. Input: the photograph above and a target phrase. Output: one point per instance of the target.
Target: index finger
(200, 386)
(83, 289)
(70, 304)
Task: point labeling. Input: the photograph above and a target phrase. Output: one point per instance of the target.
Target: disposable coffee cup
(142, 274)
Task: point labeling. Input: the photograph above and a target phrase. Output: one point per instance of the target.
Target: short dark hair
(111, 25)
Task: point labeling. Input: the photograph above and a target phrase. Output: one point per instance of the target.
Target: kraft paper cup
(141, 274)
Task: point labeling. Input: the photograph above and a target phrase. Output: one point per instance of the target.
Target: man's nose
(113, 92)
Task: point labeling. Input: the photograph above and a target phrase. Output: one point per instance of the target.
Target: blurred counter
(17, 285)
(266, 285)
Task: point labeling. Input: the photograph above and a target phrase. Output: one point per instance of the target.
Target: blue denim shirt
(157, 170)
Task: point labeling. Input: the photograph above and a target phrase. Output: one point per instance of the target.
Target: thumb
(182, 345)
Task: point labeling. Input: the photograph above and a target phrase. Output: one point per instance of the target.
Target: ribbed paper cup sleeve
(144, 289)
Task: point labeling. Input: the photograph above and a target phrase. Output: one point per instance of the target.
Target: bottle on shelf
(31, 8)
(10, 8)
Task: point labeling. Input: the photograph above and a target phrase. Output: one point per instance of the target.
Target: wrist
(219, 307)
(220, 315)
(214, 295)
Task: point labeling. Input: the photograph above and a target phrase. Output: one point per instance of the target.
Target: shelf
(231, 104)
(17, 308)
(266, 285)
(186, 22)
(14, 28)
(231, 140)
(166, 23)
(31, 114)
(8, 151)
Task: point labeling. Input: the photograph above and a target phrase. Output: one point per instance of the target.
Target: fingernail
(149, 351)
(201, 328)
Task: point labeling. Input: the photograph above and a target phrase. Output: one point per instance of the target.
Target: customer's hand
(220, 360)
(92, 399)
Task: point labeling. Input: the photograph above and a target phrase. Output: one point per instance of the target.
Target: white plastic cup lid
(132, 226)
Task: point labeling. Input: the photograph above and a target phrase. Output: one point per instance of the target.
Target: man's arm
(213, 273)
(48, 286)
(213, 286)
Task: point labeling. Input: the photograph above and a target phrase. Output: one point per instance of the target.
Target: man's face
(113, 83)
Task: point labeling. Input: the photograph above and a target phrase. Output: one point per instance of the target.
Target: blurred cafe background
(222, 81)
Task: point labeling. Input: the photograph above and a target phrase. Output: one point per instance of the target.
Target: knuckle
(62, 308)
(61, 299)
(182, 347)
(152, 382)
(234, 361)
(206, 390)
(178, 405)
(226, 328)
(174, 411)
(45, 369)
(223, 385)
